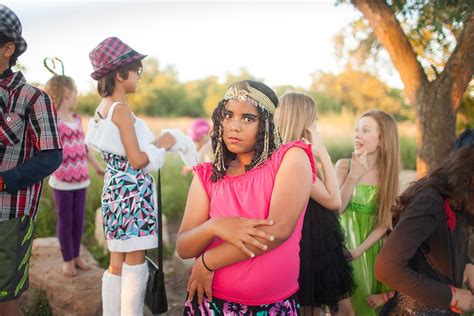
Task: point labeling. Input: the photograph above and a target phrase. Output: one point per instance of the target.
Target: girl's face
(366, 136)
(70, 98)
(240, 127)
(131, 84)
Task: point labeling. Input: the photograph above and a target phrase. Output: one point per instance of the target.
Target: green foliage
(88, 102)
(339, 149)
(431, 26)
(465, 115)
(37, 305)
(355, 91)
(159, 93)
(408, 153)
(174, 187)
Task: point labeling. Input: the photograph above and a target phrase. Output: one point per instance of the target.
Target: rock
(79, 295)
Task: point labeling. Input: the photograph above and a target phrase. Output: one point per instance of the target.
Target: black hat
(10, 26)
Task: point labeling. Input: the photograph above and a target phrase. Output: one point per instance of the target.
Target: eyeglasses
(138, 70)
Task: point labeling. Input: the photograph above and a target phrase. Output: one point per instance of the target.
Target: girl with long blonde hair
(369, 186)
(325, 278)
(70, 181)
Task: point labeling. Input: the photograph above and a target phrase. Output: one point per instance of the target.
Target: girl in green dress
(369, 186)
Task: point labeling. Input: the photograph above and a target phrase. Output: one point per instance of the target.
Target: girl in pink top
(245, 210)
(70, 181)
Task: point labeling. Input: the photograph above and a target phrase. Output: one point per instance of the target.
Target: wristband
(204, 263)
(454, 307)
(387, 296)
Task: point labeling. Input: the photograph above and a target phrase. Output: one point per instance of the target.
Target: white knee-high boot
(111, 294)
(134, 280)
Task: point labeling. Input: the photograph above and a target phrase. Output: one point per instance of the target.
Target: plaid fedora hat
(10, 26)
(111, 54)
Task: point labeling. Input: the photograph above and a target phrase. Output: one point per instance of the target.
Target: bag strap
(160, 223)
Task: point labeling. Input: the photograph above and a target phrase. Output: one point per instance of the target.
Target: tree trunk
(435, 102)
(436, 121)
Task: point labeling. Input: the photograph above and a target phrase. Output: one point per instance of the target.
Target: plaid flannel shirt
(28, 124)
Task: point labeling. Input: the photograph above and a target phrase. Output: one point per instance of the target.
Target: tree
(356, 91)
(433, 89)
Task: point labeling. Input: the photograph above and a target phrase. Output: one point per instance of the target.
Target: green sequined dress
(358, 220)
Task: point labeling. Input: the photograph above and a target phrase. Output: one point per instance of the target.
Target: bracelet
(387, 296)
(454, 307)
(204, 263)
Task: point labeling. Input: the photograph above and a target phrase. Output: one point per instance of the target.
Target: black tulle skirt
(325, 274)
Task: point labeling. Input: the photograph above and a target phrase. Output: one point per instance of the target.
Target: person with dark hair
(129, 201)
(425, 258)
(245, 211)
(30, 150)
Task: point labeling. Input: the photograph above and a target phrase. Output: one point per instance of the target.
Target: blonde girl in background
(70, 181)
(369, 183)
(325, 277)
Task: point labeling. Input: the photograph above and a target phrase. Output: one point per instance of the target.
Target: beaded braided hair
(268, 139)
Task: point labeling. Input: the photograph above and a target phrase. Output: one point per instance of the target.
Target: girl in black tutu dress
(325, 275)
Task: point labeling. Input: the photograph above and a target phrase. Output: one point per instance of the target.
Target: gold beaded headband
(242, 92)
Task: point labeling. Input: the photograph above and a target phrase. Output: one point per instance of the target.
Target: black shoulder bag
(155, 295)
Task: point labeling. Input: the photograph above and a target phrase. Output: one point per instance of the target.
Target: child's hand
(375, 300)
(358, 165)
(355, 253)
(185, 171)
(469, 277)
(318, 143)
(166, 141)
(100, 171)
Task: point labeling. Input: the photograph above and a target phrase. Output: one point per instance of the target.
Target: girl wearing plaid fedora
(129, 201)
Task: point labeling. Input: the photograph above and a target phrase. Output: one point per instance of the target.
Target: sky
(281, 42)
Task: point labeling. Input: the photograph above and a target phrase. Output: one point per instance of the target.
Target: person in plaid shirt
(30, 150)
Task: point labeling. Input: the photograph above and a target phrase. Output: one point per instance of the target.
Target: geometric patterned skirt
(129, 206)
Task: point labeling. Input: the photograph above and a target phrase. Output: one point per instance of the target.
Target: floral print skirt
(287, 307)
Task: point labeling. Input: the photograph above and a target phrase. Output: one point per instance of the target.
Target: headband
(252, 96)
(50, 64)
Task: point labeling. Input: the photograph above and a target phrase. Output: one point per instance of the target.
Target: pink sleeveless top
(74, 166)
(270, 277)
